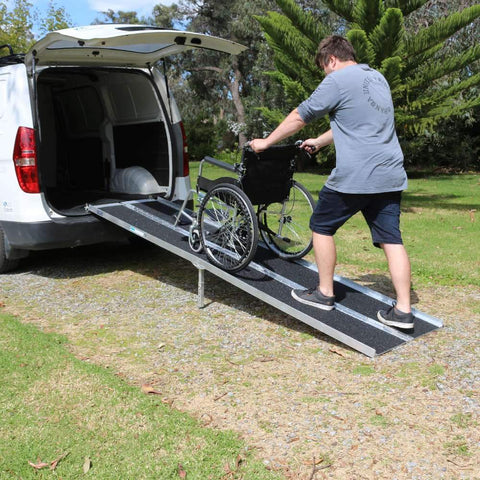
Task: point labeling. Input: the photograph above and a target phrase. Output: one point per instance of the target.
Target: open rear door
(121, 45)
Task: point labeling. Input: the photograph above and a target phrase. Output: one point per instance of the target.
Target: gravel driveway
(300, 399)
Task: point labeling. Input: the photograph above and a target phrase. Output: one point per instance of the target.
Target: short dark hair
(334, 45)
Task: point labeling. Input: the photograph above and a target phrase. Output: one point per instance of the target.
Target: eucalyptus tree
(19, 23)
(16, 25)
(56, 18)
(120, 16)
(229, 85)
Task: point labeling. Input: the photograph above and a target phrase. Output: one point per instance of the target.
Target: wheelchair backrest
(267, 176)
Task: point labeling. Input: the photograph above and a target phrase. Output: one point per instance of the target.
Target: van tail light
(186, 168)
(25, 160)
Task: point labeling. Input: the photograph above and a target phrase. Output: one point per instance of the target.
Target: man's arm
(315, 144)
(290, 125)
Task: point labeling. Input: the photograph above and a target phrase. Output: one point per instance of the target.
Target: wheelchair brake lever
(308, 150)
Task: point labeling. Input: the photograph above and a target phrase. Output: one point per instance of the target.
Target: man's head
(334, 48)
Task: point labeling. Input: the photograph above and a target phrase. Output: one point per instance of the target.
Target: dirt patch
(297, 397)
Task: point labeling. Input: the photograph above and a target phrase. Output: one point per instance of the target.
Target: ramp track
(271, 279)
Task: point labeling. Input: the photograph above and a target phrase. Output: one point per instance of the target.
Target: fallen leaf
(87, 465)
(2, 304)
(229, 472)
(39, 465)
(181, 472)
(238, 461)
(148, 389)
(53, 465)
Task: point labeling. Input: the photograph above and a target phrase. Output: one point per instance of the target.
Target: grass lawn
(58, 408)
(440, 224)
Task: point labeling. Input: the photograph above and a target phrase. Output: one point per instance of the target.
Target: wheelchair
(227, 227)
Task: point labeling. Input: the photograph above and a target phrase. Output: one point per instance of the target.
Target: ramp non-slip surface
(271, 279)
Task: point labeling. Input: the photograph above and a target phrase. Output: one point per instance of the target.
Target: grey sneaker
(395, 318)
(314, 298)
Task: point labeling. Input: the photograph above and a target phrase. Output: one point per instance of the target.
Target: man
(369, 175)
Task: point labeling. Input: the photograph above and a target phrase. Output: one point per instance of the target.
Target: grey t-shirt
(359, 103)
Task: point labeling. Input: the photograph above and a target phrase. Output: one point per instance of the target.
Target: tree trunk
(237, 101)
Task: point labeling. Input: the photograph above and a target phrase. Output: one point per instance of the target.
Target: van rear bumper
(61, 233)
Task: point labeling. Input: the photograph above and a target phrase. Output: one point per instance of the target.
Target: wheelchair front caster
(194, 240)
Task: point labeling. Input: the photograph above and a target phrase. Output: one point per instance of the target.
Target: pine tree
(430, 82)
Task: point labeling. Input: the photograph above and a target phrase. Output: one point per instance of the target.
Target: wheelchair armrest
(205, 184)
(219, 163)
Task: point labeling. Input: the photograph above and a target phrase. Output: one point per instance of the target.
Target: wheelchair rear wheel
(285, 226)
(228, 227)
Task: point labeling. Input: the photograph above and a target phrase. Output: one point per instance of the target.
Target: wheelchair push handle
(247, 146)
(309, 151)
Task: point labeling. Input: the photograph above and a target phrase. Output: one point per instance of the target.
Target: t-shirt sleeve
(322, 101)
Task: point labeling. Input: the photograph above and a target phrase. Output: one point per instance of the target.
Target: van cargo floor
(271, 279)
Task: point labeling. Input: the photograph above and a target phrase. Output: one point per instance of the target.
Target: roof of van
(121, 45)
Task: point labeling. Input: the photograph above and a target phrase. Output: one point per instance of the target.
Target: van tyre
(6, 265)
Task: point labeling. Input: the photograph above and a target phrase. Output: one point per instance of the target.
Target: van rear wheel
(6, 264)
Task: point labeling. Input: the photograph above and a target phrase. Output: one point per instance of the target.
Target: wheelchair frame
(226, 225)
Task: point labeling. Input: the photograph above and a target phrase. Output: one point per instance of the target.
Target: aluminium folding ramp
(269, 278)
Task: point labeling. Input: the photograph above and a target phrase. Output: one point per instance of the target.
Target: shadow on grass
(440, 201)
(159, 264)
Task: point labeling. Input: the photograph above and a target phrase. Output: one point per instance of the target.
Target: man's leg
(333, 209)
(326, 259)
(399, 266)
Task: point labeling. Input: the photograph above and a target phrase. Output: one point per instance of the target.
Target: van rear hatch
(121, 45)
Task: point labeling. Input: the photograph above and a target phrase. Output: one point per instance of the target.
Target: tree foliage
(233, 84)
(111, 16)
(17, 24)
(56, 19)
(430, 80)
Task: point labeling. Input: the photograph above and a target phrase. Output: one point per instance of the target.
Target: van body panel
(15, 204)
(61, 233)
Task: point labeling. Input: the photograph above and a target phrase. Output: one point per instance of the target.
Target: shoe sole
(321, 306)
(392, 323)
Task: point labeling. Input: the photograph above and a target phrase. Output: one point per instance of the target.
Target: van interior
(103, 136)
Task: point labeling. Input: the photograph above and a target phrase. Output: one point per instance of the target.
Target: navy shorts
(380, 210)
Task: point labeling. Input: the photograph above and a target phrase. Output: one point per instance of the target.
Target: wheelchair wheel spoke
(228, 227)
(285, 226)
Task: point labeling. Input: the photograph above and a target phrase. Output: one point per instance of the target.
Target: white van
(86, 116)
